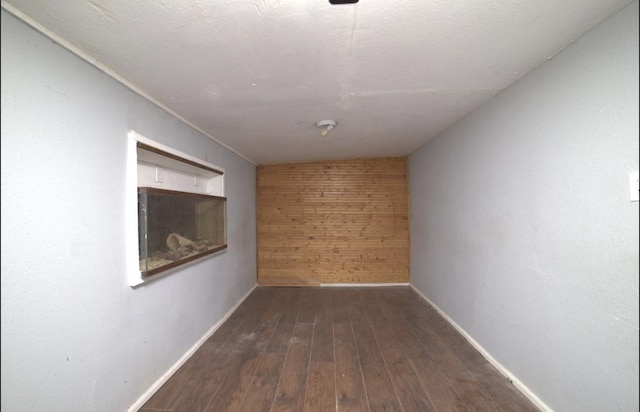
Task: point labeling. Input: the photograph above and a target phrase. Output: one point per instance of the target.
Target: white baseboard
(516, 382)
(165, 377)
(362, 284)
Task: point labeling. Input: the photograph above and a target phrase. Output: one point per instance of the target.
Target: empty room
(320, 205)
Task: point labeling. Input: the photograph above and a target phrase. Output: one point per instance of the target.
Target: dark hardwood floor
(337, 349)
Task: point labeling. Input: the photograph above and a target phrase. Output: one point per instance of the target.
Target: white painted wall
(522, 231)
(75, 337)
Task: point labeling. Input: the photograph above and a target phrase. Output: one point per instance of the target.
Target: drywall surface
(75, 336)
(522, 229)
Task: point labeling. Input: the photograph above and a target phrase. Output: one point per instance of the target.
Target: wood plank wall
(333, 222)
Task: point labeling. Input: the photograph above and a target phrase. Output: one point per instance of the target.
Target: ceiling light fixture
(327, 125)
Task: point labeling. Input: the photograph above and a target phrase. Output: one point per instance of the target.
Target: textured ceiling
(256, 75)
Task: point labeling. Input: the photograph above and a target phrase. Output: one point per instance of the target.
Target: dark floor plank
(259, 395)
(320, 393)
(227, 373)
(322, 346)
(279, 342)
(233, 381)
(381, 393)
(309, 305)
(412, 395)
(350, 391)
(279, 297)
(440, 390)
(192, 373)
(342, 299)
(291, 388)
(251, 346)
(451, 365)
(500, 388)
(343, 349)
(488, 377)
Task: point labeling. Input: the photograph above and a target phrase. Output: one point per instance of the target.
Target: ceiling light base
(327, 125)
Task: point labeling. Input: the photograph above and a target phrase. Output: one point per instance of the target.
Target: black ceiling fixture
(342, 1)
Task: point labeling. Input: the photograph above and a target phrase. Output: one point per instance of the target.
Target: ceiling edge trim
(105, 69)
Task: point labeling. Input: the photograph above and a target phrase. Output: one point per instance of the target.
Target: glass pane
(177, 227)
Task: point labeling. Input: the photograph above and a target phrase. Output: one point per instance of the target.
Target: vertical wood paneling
(333, 222)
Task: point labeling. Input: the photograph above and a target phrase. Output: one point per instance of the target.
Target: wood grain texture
(320, 394)
(259, 395)
(287, 281)
(333, 222)
(381, 392)
(291, 389)
(411, 393)
(337, 349)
